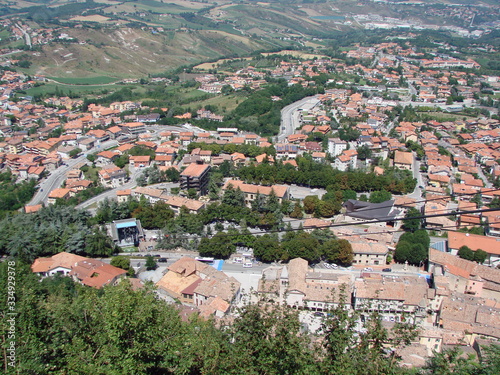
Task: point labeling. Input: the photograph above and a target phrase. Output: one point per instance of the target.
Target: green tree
(150, 263)
(123, 262)
(74, 153)
(219, 246)
(268, 339)
(297, 211)
(310, 202)
(480, 256)
(409, 223)
(364, 152)
(465, 252)
(233, 197)
(380, 196)
(192, 193)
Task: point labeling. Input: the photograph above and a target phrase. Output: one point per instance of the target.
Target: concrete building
(196, 176)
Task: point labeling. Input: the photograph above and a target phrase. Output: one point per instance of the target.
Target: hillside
(126, 51)
(136, 38)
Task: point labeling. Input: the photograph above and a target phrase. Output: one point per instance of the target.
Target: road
(27, 36)
(417, 193)
(110, 193)
(290, 117)
(57, 177)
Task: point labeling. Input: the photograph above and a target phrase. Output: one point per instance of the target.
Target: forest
(64, 328)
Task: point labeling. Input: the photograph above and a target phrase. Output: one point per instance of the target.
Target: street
(290, 117)
(57, 177)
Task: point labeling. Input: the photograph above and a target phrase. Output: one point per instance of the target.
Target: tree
(219, 246)
(150, 263)
(123, 262)
(192, 193)
(267, 248)
(412, 224)
(480, 256)
(380, 196)
(327, 208)
(364, 152)
(338, 252)
(349, 194)
(233, 197)
(412, 247)
(450, 362)
(268, 339)
(302, 246)
(297, 211)
(74, 153)
(465, 252)
(310, 202)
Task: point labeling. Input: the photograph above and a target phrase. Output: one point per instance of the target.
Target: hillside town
(368, 125)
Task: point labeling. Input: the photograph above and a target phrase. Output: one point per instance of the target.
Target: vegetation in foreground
(63, 327)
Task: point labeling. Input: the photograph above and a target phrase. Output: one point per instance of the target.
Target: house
(286, 150)
(112, 176)
(106, 157)
(59, 264)
(397, 297)
(336, 146)
(367, 253)
(95, 273)
(317, 291)
(252, 191)
(59, 193)
(133, 128)
(462, 275)
(176, 203)
(31, 209)
(342, 162)
(196, 176)
(139, 161)
(123, 195)
(79, 185)
(197, 283)
(403, 160)
(475, 242)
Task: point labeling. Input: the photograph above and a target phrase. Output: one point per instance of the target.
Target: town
(377, 192)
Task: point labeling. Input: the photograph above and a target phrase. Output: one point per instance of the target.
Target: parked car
(387, 270)
(247, 265)
(368, 269)
(318, 313)
(163, 260)
(327, 265)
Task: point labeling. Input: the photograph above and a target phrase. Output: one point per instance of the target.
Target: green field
(85, 81)
(4, 34)
(226, 103)
(50, 88)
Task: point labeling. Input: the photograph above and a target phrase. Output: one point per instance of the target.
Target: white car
(247, 265)
(327, 266)
(368, 269)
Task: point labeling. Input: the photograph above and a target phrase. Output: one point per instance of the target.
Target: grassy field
(211, 65)
(84, 81)
(50, 88)
(225, 103)
(299, 54)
